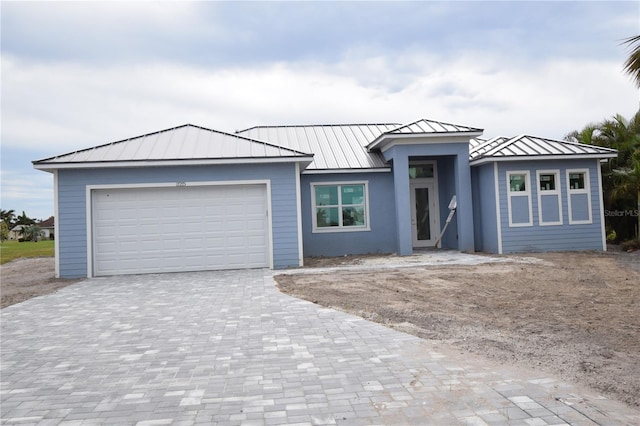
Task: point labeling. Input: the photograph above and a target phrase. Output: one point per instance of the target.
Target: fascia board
(442, 137)
(344, 171)
(166, 163)
(484, 160)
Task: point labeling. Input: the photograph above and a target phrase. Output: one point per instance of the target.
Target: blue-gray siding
(446, 189)
(484, 208)
(381, 236)
(537, 238)
(72, 221)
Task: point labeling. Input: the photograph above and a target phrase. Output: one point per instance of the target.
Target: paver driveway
(228, 348)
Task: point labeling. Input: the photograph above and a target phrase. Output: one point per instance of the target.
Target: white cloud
(59, 107)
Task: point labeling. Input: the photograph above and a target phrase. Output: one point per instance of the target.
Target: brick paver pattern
(226, 347)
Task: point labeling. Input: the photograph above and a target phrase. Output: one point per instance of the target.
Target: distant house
(48, 228)
(268, 196)
(16, 232)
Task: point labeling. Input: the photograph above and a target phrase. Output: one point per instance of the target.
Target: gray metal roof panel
(335, 146)
(477, 146)
(525, 146)
(187, 142)
(425, 126)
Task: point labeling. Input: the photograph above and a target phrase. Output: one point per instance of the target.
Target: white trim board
(498, 213)
(56, 227)
(169, 163)
(299, 216)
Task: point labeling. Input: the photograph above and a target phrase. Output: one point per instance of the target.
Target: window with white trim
(578, 196)
(549, 197)
(519, 198)
(340, 206)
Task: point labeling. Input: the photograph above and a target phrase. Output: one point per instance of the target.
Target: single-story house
(16, 232)
(47, 226)
(46, 230)
(191, 198)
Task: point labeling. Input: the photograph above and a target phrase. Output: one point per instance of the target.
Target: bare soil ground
(22, 279)
(576, 315)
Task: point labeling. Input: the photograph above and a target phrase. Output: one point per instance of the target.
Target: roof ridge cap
(271, 126)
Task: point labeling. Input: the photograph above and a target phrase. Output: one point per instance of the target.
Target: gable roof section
(526, 147)
(186, 144)
(335, 147)
(422, 128)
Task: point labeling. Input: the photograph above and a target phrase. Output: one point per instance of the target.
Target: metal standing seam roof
(186, 142)
(335, 146)
(530, 147)
(477, 146)
(424, 127)
(327, 147)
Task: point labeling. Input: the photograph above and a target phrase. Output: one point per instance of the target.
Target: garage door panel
(179, 229)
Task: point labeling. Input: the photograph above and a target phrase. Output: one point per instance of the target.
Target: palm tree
(31, 232)
(587, 135)
(632, 64)
(621, 175)
(23, 219)
(7, 216)
(4, 232)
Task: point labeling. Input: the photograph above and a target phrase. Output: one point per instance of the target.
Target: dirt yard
(22, 279)
(576, 315)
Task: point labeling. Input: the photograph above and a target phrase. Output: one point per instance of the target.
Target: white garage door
(174, 229)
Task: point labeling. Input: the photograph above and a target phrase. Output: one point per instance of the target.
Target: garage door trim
(89, 208)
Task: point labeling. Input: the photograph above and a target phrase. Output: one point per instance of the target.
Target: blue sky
(79, 74)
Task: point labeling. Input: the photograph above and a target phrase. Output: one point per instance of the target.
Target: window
(518, 182)
(547, 181)
(549, 198)
(519, 199)
(340, 207)
(419, 171)
(576, 180)
(578, 197)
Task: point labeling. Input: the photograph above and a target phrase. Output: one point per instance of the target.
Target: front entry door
(424, 214)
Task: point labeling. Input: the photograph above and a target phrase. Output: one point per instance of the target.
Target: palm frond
(632, 64)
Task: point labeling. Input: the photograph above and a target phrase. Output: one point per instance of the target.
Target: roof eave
(305, 160)
(345, 171)
(484, 160)
(379, 140)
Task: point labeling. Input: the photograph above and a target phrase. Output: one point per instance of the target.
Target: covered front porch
(429, 168)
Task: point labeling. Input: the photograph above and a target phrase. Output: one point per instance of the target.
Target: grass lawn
(10, 250)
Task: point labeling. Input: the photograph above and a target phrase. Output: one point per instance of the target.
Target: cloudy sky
(79, 74)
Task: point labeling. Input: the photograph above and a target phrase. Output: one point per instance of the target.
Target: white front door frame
(431, 185)
(421, 217)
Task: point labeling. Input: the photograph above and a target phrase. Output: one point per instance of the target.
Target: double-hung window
(549, 197)
(519, 199)
(340, 206)
(578, 196)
